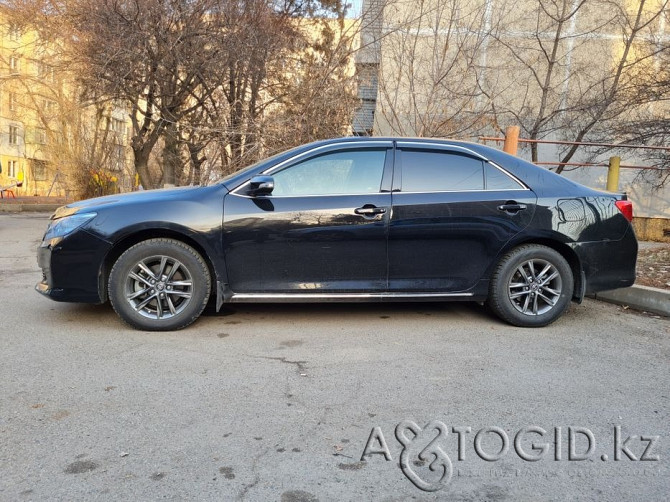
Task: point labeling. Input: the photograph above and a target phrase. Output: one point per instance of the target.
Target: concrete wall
(652, 229)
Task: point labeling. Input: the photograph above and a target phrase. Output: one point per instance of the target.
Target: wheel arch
(129, 240)
(566, 252)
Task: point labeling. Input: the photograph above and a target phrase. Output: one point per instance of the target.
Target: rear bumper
(71, 268)
(608, 264)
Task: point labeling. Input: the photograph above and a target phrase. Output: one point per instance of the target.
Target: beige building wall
(443, 63)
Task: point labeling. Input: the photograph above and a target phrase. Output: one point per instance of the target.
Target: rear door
(452, 214)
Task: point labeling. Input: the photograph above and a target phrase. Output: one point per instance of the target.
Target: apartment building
(49, 140)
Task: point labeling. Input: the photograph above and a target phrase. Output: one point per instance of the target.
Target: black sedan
(350, 219)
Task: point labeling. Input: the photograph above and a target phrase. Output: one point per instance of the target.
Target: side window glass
(497, 180)
(433, 171)
(344, 172)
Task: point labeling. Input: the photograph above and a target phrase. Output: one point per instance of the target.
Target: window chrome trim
(272, 197)
(442, 146)
(370, 144)
(461, 149)
(466, 191)
(507, 173)
(384, 144)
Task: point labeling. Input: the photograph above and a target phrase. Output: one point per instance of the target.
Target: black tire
(159, 285)
(531, 286)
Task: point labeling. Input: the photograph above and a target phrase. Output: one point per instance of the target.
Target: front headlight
(64, 226)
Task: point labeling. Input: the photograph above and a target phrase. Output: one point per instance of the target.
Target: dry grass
(653, 267)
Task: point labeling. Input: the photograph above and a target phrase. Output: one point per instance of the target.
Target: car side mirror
(261, 185)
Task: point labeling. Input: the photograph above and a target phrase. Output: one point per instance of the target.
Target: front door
(322, 230)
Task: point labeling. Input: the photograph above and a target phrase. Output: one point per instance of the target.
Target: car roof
(355, 139)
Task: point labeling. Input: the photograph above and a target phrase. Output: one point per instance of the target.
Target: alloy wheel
(159, 287)
(535, 287)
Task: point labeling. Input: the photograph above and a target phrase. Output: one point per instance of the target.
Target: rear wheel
(159, 285)
(531, 286)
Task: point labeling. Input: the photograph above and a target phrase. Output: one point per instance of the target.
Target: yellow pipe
(613, 174)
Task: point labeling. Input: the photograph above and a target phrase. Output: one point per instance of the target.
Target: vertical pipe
(511, 140)
(613, 174)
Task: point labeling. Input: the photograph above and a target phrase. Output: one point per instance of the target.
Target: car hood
(128, 198)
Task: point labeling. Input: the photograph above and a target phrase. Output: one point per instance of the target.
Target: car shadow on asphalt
(382, 310)
(81, 313)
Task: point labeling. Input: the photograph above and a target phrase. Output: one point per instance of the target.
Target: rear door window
(439, 171)
(498, 180)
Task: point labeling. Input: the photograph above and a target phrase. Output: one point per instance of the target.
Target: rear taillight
(626, 208)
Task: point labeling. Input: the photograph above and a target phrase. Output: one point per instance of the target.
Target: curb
(639, 297)
(33, 208)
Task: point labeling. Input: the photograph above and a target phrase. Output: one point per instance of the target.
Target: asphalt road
(270, 402)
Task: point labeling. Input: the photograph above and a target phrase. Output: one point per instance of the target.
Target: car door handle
(512, 207)
(369, 210)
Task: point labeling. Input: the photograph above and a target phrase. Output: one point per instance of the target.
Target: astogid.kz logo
(427, 446)
(433, 453)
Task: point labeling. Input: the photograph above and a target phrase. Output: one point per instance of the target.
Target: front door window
(348, 172)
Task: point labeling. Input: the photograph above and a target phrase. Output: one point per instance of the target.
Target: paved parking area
(269, 402)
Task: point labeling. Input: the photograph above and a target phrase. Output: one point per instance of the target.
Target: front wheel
(531, 286)
(159, 285)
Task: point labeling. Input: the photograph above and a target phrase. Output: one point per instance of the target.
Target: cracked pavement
(272, 402)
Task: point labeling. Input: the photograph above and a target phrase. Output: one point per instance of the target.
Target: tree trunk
(196, 162)
(171, 158)
(141, 157)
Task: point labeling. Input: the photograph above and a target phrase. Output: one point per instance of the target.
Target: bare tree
(317, 95)
(153, 55)
(209, 85)
(564, 69)
(649, 124)
(573, 72)
(431, 61)
(294, 83)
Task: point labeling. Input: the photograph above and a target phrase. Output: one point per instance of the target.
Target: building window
(40, 136)
(13, 102)
(14, 64)
(118, 126)
(45, 71)
(39, 170)
(119, 158)
(13, 135)
(48, 106)
(14, 33)
(12, 168)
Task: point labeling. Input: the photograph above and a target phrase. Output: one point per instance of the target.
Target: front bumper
(72, 267)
